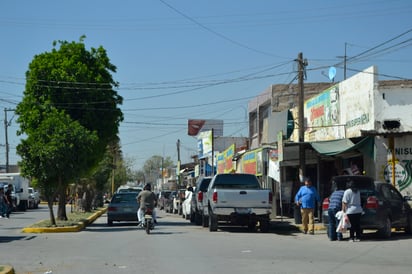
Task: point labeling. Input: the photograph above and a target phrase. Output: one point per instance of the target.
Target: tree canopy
(154, 166)
(69, 113)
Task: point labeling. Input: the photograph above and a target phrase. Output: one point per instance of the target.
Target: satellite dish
(332, 73)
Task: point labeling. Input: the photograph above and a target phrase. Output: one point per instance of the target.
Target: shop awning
(342, 146)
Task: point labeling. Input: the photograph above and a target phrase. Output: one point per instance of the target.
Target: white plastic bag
(344, 224)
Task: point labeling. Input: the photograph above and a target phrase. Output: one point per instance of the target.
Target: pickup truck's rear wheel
(212, 221)
(205, 220)
(198, 218)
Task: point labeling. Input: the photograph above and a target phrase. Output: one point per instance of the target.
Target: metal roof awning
(342, 146)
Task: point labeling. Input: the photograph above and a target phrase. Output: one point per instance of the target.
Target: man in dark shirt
(335, 205)
(9, 200)
(147, 199)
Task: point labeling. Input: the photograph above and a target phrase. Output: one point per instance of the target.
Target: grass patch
(73, 218)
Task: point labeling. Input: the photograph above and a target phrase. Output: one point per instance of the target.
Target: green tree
(79, 83)
(54, 152)
(154, 166)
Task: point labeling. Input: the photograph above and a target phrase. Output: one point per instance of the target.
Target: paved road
(176, 246)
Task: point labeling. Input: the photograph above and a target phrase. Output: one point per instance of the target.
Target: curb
(7, 269)
(75, 228)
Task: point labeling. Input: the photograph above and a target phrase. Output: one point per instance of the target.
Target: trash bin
(297, 215)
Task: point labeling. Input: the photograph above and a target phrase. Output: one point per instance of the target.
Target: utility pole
(6, 125)
(178, 162)
(345, 57)
(344, 63)
(301, 67)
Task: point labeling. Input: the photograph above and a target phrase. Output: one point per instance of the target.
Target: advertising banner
(220, 162)
(323, 116)
(252, 162)
(403, 165)
(196, 126)
(229, 153)
(205, 144)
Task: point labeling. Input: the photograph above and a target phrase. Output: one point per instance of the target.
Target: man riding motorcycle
(146, 198)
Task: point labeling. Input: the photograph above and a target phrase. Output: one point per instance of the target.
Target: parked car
(178, 200)
(34, 198)
(122, 208)
(199, 201)
(383, 205)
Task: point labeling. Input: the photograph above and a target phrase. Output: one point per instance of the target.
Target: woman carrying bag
(351, 205)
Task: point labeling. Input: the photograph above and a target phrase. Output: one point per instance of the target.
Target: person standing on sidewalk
(351, 205)
(335, 205)
(306, 199)
(9, 200)
(2, 203)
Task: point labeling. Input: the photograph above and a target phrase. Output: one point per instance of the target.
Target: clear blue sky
(184, 59)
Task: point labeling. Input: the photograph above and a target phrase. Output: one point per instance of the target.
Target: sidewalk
(288, 223)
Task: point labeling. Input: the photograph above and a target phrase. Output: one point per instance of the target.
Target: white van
(20, 185)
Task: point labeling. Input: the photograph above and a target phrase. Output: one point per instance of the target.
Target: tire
(198, 219)
(264, 226)
(147, 228)
(192, 217)
(23, 205)
(408, 228)
(212, 222)
(109, 222)
(251, 226)
(386, 230)
(205, 221)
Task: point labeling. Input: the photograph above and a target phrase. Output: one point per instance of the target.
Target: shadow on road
(7, 239)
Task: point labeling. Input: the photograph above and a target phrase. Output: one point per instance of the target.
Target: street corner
(6, 269)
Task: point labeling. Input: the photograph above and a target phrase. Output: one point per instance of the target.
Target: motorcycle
(148, 223)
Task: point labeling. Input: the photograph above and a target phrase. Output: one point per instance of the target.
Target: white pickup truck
(238, 199)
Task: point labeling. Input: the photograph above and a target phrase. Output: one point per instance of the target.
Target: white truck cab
(20, 185)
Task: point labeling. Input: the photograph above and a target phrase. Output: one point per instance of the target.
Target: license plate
(242, 210)
(128, 210)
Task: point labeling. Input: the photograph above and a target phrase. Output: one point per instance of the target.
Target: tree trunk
(88, 199)
(61, 212)
(50, 204)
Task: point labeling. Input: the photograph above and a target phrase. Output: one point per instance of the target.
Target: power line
(215, 32)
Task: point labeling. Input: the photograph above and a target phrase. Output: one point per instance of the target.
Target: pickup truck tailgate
(249, 198)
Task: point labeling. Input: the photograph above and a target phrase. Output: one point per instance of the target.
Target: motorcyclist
(146, 198)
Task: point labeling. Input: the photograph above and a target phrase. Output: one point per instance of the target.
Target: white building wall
(394, 103)
(356, 102)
